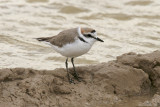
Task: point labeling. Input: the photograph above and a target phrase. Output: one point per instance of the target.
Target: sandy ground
(106, 84)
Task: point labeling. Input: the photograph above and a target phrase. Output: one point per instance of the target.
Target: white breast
(74, 49)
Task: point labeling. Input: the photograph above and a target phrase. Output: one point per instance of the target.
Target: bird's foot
(71, 80)
(77, 77)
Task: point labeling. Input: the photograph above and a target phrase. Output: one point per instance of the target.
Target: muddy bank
(112, 83)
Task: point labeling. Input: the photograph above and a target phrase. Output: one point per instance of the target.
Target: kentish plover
(72, 43)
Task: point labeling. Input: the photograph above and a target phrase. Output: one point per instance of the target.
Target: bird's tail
(43, 39)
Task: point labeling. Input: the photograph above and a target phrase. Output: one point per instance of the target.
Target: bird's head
(90, 35)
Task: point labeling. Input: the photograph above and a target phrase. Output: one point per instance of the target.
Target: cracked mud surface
(111, 83)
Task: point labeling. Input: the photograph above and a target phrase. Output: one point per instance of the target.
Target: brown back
(64, 37)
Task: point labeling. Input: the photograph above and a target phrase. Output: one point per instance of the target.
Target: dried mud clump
(102, 84)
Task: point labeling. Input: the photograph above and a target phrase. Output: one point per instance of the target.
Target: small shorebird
(72, 43)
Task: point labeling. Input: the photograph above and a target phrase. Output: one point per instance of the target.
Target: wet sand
(130, 80)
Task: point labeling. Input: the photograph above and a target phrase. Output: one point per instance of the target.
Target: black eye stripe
(93, 31)
(87, 35)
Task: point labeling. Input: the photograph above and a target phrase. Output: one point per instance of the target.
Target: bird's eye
(89, 35)
(93, 31)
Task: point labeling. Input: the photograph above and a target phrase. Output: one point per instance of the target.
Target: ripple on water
(127, 25)
(58, 59)
(72, 10)
(51, 28)
(19, 42)
(117, 16)
(144, 24)
(148, 44)
(29, 23)
(81, 23)
(35, 1)
(154, 38)
(141, 3)
(91, 17)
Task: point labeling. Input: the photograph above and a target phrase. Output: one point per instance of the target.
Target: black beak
(99, 39)
(89, 35)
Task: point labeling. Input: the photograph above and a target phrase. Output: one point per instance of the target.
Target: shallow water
(125, 26)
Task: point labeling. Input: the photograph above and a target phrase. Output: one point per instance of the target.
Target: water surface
(125, 26)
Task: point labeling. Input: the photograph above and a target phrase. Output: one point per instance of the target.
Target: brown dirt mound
(103, 84)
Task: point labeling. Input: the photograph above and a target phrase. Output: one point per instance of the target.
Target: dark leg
(69, 79)
(75, 73)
